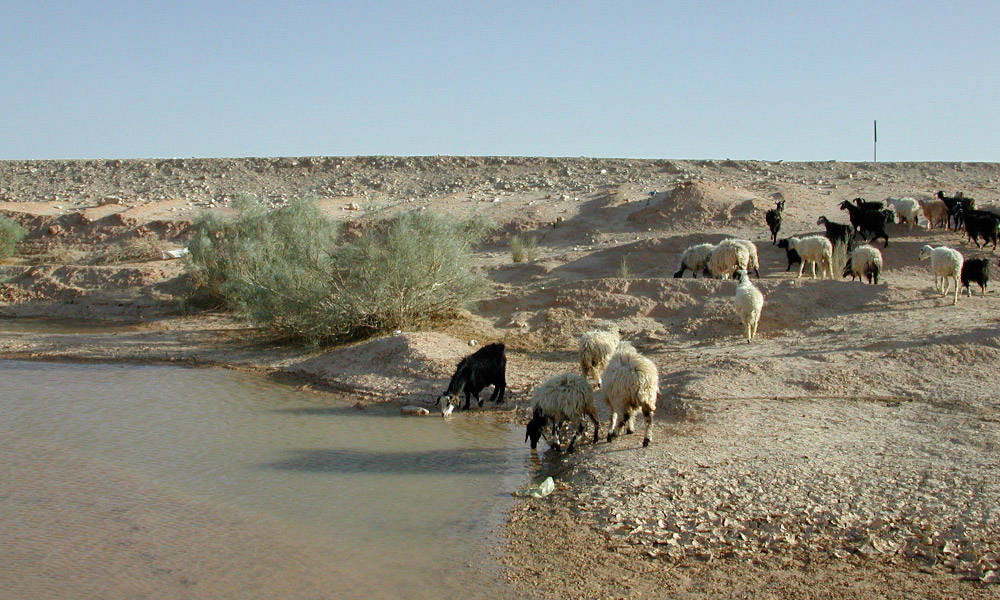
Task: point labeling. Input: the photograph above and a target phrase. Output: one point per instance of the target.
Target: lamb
(695, 258)
(792, 256)
(865, 262)
(727, 257)
(946, 264)
(748, 302)
(631, 384)
(773, 219)
(486, 366)
(814, 249)
(906, 208)
(975, 270)
(596, 347)
(871, 223)
(935, 211)
(561, 399)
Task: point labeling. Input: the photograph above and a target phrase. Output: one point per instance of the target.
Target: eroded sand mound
(415, 366)
(698, 203)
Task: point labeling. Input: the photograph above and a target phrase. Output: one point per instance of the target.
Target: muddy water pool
(403, 505)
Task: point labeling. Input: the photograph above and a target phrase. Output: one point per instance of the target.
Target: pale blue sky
(768, 80)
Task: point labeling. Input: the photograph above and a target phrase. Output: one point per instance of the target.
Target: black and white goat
(486, 366)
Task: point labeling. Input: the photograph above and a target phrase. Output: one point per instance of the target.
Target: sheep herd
(627, 382)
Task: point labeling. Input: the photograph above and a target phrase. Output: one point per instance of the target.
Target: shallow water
(401, 503)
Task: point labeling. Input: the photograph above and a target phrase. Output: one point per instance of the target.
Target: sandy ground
(850, 451)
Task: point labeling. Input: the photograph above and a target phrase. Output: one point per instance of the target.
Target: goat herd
(628, 382)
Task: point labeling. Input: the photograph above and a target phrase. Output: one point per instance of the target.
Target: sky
(743, 79)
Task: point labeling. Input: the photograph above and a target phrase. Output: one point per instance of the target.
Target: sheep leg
(813, 269)
(592, 413)
(468, 400)
(555, 434)
(629, 422)
(801, 265)
(648, 414)
(579, 429)
(611, 426)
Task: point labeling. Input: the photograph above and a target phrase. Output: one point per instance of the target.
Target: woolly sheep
(935, 211)
(906, 208)
(631, 384)
(727, 257)
(946, 264)
(749, 302)
(814, 249)
(561, 399)
(596, 347)
(753, 259)
(695, 258)
(865, 262)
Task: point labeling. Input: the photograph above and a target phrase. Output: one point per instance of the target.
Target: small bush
(11, 233)
(623, 271)
(521, 250)
(281, 270)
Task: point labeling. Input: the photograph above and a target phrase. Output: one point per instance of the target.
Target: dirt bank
(850, 450)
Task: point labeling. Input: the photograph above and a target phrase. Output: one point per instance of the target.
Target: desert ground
(850, 451)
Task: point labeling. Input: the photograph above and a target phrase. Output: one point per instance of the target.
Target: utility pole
(875, 141)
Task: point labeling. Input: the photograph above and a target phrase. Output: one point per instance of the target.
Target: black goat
(486, 366)
(956, 205)
(835, 232)
(975, 270)
(871, 223)
(980, 224)
(792, 256)
(773, 218)
(868, 205)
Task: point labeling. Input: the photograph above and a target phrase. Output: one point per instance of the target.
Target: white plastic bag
(546, 487)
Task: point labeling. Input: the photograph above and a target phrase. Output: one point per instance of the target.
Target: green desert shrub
(523, 250)
(11, 233)
(282, 270)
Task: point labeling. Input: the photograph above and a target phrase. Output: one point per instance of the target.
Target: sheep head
(925, 252)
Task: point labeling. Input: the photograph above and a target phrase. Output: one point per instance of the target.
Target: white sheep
(695, 259)
(561, 399)
(753, 260)
(727, 257)
(907, 209)
(814, 249)
(630, 384)
(749, 303)
(946, 264)
(596, 347)
(865, 262)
